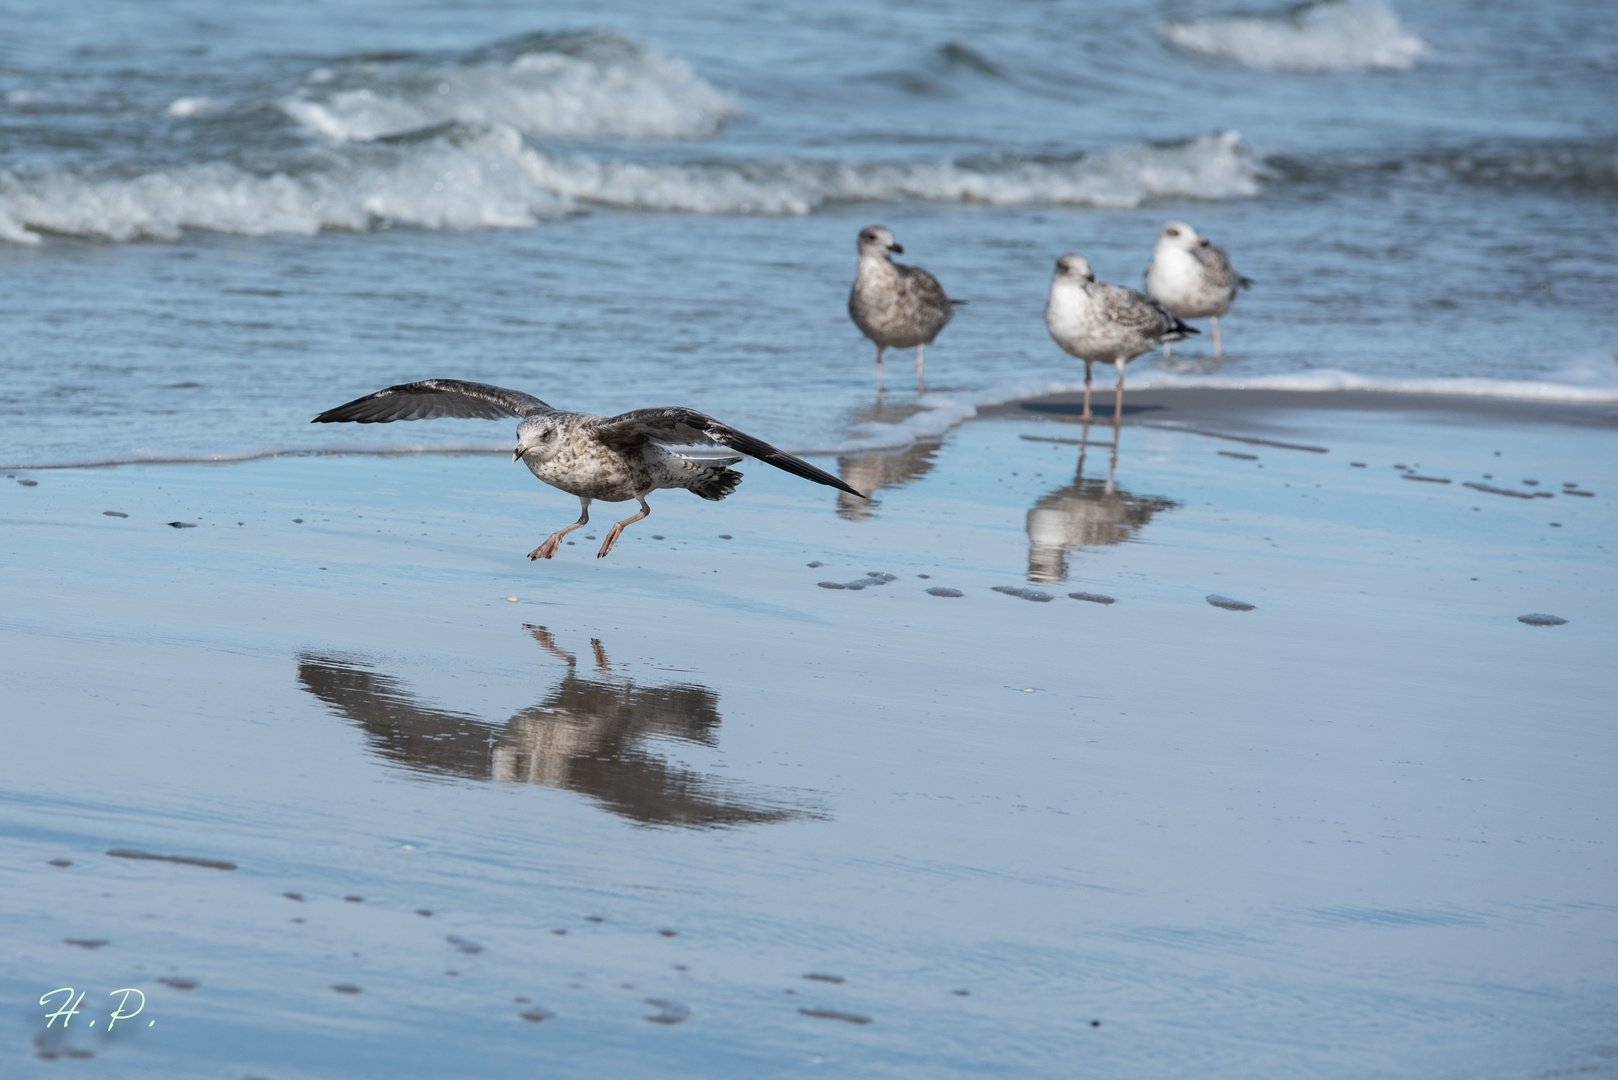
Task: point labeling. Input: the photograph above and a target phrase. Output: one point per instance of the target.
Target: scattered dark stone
(1531, 483)
(1492, 490)
(1578, 491)
(831, 585)
(1556, 524)
(1356, 464)
(453, 974)
(85, 943)
(471, 948)
(212, 864)
(1401, 466)
(668, 933)
(345, 988)
(355, 899)
(1227, 603)
(1427, 479)
(817, 564)
(179, 983)
(182, 524)
(1541, 620)
(29, 483)
(879, 578)
(1235, 454)
(681, 967)
(961, 993)
(113, 513)
(594, 918)
(939, 590)
(924, 577)
(588, 536)
(559, 933)
(829, 1014)
(61, 862)
(297, 920)
(1093, 597)
(668, 1012)
(725, 536)
(816, 977)
(535, 1016)
(657, 537)
(425, 913)
(1026, 594)
(522, 1000)
(297, 521)
(1095, 1023)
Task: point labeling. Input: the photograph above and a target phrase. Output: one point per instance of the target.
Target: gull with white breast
(1102, 323)
(1192, 278)
(610, 458)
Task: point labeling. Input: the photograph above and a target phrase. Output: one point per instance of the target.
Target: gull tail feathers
(715, 479)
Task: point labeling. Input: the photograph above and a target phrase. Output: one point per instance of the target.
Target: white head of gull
(1191, 278)
(611, 458)
(896, 306)
(1106, 324)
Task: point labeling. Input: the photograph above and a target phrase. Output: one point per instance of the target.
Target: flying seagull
(1192, 278)
(894, 305)
(611, 458)
(1105, 324)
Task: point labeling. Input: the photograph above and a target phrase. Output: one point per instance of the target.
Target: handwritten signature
(70, 1006)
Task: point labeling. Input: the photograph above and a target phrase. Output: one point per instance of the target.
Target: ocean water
(216, 222)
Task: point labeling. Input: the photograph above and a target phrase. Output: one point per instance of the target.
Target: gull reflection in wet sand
(872, 472)
(1085, 513)
(588, 735)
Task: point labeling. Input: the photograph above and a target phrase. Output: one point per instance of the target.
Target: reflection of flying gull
(611, 458)
(588, 735)
(1105, 324)
(1192, 278)
(1085, 513)
(894, 305)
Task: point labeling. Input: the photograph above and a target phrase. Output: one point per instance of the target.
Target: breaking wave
(582, 85)
(1329, 35)
(469, 177)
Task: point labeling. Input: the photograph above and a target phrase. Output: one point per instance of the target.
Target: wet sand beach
(787, 786)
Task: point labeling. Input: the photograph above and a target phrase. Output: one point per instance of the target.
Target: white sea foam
(576, 86)
(468, 178)
(1331, 35)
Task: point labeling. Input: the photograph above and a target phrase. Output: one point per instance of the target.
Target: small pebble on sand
(1535, 619)
(182, 524)
(113, 513)
(1025, 594)
(939, 590)
(1094, 598)
(29, 483)
(1227, 603)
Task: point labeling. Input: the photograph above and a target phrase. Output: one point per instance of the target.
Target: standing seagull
(611, 458)
(894, 305)
(1192, 278)
(1105, 324)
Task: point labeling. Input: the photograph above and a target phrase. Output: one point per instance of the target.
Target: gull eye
(1172, 232)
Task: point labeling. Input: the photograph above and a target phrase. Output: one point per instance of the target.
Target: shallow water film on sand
(1264, 733)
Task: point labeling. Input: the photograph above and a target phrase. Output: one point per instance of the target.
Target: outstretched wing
(677, 426)
(1142, 314)
(433, 398)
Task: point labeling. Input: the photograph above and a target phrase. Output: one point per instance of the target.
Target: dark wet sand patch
(298, 896)
(1253, 439)
(345, 988)
(818, 977)
(85, 943)
(355, 899)
(1026, 594)
(471, 948)
(186, 860)
(60, 862)
(872, 578)
(113, 513)
(1094, 598)
(939, 590)
(1537, 619)
(536, 1016)
(1228, 604)
(668, 933)
(832, 1014)
(668, 1012)
(178, 983)
(424, 912)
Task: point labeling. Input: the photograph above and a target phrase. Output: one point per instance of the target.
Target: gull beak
(516, 455)
(897, 249)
